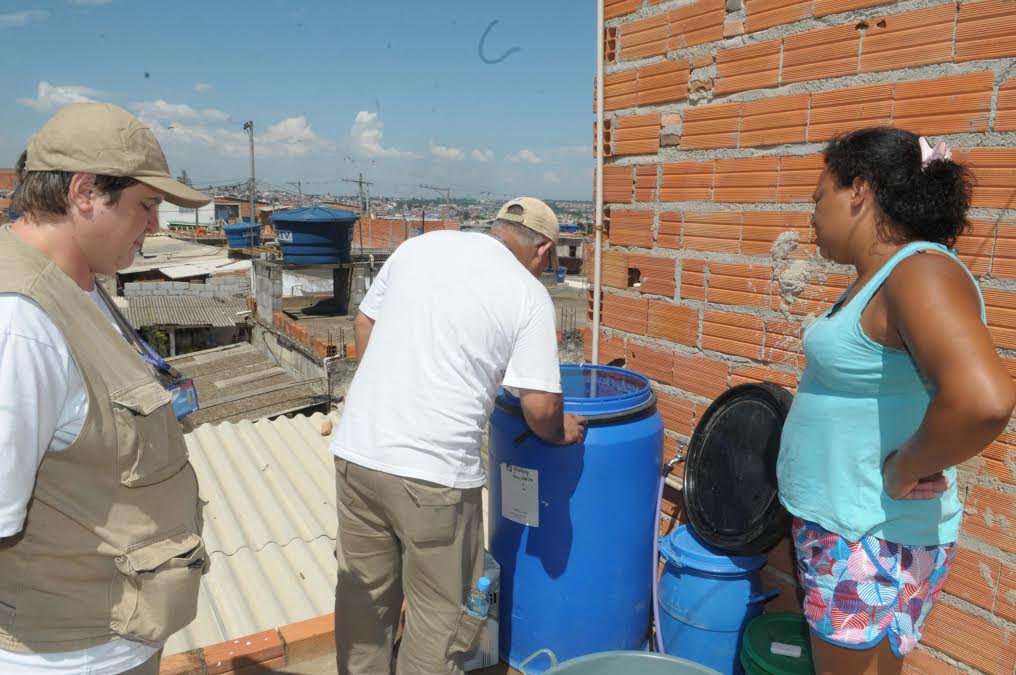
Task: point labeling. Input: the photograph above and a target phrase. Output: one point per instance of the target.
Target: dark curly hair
(928, 203)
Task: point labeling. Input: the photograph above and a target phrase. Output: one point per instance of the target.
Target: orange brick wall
(716, 114)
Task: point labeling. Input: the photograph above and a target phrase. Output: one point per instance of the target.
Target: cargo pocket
(151, 445)
(155, 592)
(436, 512)
(466, 631)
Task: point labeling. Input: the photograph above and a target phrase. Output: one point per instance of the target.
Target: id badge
(185, 397)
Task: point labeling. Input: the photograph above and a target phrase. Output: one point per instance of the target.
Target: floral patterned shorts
(857, 592)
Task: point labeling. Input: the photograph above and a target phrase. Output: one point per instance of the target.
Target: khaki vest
(111, 544)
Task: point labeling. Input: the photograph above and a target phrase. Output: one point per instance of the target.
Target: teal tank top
(857, 402)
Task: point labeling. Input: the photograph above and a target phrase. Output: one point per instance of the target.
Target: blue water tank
(314, 235)
(572, 526)
(707, 598)
(241, 235)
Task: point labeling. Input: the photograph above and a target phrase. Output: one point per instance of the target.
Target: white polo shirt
(456, 315)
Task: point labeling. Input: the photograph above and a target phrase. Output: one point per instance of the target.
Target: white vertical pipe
(598, 222)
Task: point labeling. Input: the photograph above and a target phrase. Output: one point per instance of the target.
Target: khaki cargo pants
(403, 538)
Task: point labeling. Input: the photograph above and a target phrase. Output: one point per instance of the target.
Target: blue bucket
(571, 526)
(707, 599)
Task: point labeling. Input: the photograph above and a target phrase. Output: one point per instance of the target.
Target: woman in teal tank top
(902, 383)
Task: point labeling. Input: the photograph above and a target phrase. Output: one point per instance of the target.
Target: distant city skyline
(487, 100)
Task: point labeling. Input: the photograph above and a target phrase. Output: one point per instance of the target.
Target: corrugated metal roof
(270, 524)
(184, 310)
(203, 268)
(238, 382)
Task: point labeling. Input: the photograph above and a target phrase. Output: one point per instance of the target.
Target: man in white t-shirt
(450, 317)
(100, 553)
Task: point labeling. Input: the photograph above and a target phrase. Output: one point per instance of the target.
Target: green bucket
(786, 628)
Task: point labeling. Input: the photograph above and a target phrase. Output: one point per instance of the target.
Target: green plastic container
(784, 627)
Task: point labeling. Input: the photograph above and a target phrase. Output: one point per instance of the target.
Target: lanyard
(135, 340)
(184, 395)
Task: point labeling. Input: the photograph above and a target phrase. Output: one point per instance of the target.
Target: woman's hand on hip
(899, 486)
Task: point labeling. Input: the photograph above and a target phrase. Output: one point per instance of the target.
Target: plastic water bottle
(477, 603)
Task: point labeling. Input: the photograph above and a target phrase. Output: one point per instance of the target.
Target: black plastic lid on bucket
(730, 492)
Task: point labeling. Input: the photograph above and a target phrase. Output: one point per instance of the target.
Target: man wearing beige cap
(100, 548)
(449, 318)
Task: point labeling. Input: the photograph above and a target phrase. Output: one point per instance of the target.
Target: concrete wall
(717, 111)
(222, 286)
(268, 287)
(331, 376)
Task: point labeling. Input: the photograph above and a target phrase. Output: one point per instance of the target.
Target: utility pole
(364, 201)
(249, 128)
(448, 197)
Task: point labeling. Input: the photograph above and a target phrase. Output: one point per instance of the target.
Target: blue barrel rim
(700, 557)
(601, 409)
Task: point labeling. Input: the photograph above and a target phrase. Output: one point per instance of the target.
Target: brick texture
(762, 14)
(686, 181)
(697, 23)
(720, 232)
(985, 31)
(949, 105)
(755, 66)
(726, 113)
(774, 121)
(631, 228)
(1005, 115)
(820, 53)
(711, 126)
(840, 110)
(915, 38)
(637, 135)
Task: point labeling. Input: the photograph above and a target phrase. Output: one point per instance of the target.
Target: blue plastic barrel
(571, 526)
(314, 235)
(241, 235)
(707, 599)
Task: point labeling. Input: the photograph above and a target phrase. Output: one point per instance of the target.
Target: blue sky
(397, 90)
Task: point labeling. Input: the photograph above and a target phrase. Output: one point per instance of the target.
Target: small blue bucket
(707, 599)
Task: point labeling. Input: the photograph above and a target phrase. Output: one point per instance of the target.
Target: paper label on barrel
(520, 495)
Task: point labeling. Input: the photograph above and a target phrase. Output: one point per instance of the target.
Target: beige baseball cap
(106, 140)
(532, 213)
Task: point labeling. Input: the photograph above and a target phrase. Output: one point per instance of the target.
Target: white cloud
(163, 110)
(294, 137)
(367, 136)
(525, 156)
(215, 115)
(50, 97)
(445, 152)
(482, 155)
(551, 177)
(16, 19)
(202, 87)
(290, 137)
(91, 2)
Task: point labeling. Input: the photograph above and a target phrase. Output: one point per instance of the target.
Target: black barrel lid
(730, 492)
